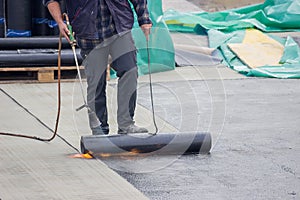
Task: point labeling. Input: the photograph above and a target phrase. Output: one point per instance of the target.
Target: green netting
(229, 27)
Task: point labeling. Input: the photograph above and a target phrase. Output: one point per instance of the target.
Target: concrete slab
(193, 73)
(179, 5)
(32, 169)
(35, 170)
(219, 5)
(189, 39)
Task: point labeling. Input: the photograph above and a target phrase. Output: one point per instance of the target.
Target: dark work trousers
(122, 50)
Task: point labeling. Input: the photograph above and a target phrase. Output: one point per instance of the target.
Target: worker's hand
(64, 30)
(55, 11)
(146, 29)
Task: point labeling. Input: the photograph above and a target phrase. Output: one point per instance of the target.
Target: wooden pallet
(40, 74)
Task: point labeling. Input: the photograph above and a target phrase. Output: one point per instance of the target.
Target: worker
(103, 28)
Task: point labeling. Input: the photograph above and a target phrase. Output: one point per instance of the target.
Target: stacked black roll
(43, 23)
(27, 18)
(32, 43)
(37, 57)
(19, 18)
(40, 19)
(35, 51)
(2, 18)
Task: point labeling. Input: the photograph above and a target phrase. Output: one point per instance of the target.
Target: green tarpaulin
(162, 56)
(229, 27)
(273, 15)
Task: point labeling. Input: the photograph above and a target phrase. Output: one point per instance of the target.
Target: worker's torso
(99, 19)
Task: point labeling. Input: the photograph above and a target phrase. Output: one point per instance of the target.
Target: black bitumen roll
(1, 8)
(1, 18)
(146, 144)
(32, 43)
(63, 6)
(37, 57)
(1, 30)
(40, 18)
(19, 18)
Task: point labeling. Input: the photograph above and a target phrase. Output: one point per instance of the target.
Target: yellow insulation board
(258, 49)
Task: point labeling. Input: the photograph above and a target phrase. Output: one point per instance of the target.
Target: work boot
(100, 130)
(132, 128)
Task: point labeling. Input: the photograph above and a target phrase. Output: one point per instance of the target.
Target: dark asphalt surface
(256, 156)
(254, 123)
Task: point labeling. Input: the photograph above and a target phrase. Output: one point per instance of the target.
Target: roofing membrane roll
(37, 57)
(40, 18)
(145, 144)
(32, 43)
(2, 18)
(19, 18)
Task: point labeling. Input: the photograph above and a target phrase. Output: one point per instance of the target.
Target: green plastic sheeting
(272, 15)
(229, 27)
(290, 60)
(290, 63)
(161, 49)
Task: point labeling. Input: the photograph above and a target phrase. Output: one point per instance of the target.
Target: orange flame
(132, 152)
(84, 156)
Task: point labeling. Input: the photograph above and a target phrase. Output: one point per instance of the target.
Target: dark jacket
(83, 15)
